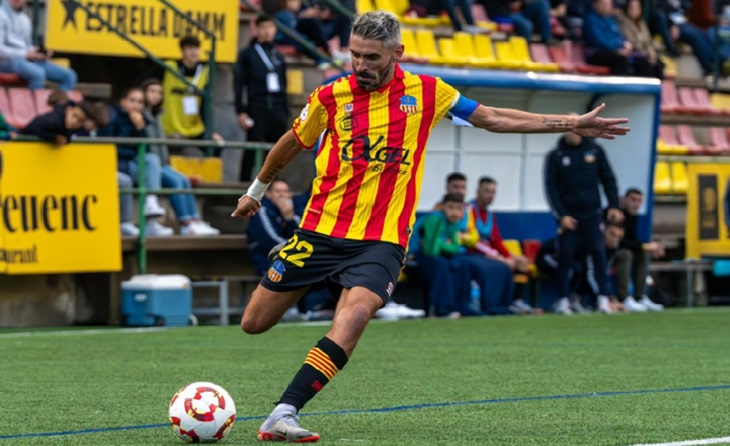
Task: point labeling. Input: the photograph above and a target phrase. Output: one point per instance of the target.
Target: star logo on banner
(71, 6)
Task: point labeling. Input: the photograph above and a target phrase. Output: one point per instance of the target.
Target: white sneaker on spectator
(293, 315)
(604, 305)
(129, 229)
(519, 306)
(633, 306)
(651, 305)
(471, 29)
(390, 312)
(578, 307)
(198, 228)
(406, 312)
(562, 306)
(155, 229)
(152, 207)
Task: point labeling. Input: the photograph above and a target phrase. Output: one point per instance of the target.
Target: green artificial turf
(72, 382)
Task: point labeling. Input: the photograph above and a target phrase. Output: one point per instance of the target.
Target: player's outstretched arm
(285, 150)
(507, 120)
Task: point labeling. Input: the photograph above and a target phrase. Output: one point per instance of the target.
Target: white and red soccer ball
(202, 412)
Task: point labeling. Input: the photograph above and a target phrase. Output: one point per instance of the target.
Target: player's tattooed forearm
(555, 123)
(274, 172)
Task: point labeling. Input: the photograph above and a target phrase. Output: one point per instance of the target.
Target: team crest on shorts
(276, 271)
(390, 289)
(408, 105)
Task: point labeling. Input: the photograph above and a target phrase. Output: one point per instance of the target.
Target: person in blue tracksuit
(574, 170)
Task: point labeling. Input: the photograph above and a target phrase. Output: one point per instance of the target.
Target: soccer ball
(202, 412)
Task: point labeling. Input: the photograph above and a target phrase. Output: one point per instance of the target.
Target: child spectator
(441, 260)
(183, 204)
(64, 122)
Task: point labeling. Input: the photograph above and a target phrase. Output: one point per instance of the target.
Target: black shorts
(310, 258)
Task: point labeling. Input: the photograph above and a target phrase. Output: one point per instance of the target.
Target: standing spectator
(128, 121)
(525, 15)
(490, 242)
(183, 204)
(261, 70)
(183, 117)
(19, 56)
(632, 260)
(441, 258)
(574, 171)
(670, 22)
(636, 32)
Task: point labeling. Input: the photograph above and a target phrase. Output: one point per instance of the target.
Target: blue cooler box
(157, 300)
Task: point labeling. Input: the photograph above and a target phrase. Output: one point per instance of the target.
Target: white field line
(719, 440)
(81, 332)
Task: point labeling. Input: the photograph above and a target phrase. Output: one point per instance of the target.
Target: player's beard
(376, 80)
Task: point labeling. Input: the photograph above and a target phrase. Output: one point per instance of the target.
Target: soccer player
(358, 220)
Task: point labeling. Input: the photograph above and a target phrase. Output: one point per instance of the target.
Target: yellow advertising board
(70, 28)
(59, 208)
(707, 231)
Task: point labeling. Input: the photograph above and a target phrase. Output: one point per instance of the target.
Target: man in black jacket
(574, 170)
(632, 259)
(264, 114)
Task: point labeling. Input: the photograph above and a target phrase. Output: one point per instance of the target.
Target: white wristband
(256, 189)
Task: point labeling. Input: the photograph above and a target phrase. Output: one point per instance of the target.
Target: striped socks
(320, 366)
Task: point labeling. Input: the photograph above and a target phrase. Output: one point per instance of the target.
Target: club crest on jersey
(349, 108)
(276, 271)
(408, 105)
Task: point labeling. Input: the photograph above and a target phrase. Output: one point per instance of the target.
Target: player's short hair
(263, 18)
(633, 190)
(455, 176)
(452, 198)
(378, 25)
(189, 41)
(486, 180)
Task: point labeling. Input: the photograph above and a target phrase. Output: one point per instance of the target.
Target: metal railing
(142, 191)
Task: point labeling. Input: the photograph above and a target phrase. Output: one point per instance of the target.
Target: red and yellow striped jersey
(370, 165)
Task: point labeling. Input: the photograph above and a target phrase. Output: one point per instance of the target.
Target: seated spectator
(605, 45)
(670, 22)
(455, 184)
(318, 25)
(491, 245)
(64, 122)
(19, 56)
(612, 236)
(433, 8)
(128, 122)
(633, 257)
(636, 32)
(525, 15)
(441, 258)
(183, 204)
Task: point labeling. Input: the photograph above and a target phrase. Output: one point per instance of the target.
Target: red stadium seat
(718, 139)
(560, 57)
(702, 98)
(41, 100)
(670, 99)
(689, 102)
(668, 135)
(530, 248)
(575, 55)
(539, 53)
(22, 105)
(10, 79)
(75, 96)
(687, 138)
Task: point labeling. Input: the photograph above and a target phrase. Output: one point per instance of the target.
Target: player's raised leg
(354, 310)
(267, 307)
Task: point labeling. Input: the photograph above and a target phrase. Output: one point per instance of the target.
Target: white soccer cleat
(284, 426)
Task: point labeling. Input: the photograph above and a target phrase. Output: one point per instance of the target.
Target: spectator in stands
(633, 257)
(441, 258)
(574, 170)
(183, 204)
(19, 56)
(64, 122)
(261, 70)
(525, 15)
(491, 245)
(433, 8)
(605, 45)
(128, 121)
(318, 25)
(636, 32)
(670, 22)
(613, 233)
(184, 116)
(455, 184)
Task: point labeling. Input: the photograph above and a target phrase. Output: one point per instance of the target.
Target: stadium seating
(467, 46)
(412, 53)
(719, 140)
(41, 100)
(21, 107)
(482, 21)
(668, 144)
(670, 99)
(505, 55)
(574, 51)
(721, 102)
(522, 53)
(662, 178)
(687, 138)
(558, 55)
(451, 54)
(680, 181)
(689, 101)
(363, 6)
(484, 53)
(426, 43)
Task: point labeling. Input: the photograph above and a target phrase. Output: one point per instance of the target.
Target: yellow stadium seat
(484, 53)
(207, 169)
(294, 81)
(662, 178)
(363, 6)
(426, 43)
(680, 182)
(464, 45)
(424, 21)
(391, 6)
(505, 55)
(513, 246)
(409, 42)
(522, 52)
(721, 101)
(450, 54)
(670, 67)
